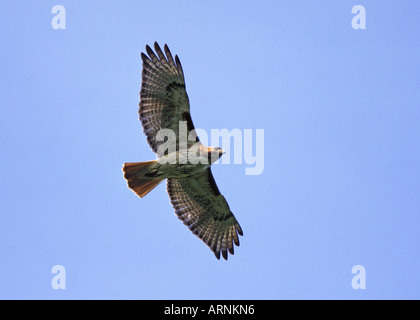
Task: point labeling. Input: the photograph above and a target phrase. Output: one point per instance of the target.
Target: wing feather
(179, 66)
(164, 100)
(199, 204)
(162, 57)
(169, 57)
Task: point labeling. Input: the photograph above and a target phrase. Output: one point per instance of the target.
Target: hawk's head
(214, 153)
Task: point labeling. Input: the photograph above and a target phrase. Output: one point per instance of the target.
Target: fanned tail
(136, 174)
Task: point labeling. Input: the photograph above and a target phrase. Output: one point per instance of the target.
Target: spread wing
(199, 204)
(164, 102)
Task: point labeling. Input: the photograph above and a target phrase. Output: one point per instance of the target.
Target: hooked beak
(220, 151)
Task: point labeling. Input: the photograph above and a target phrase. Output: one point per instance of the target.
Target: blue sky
(340, 109)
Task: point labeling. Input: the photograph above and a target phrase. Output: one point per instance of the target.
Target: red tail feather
(135, 174)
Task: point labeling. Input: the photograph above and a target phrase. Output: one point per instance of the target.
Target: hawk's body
(164, 107)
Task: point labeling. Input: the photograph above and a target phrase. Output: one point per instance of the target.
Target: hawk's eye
(216, 148)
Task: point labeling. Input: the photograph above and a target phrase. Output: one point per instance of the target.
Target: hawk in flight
(181, 158)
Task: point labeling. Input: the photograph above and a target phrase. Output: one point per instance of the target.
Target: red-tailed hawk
(182, 159)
